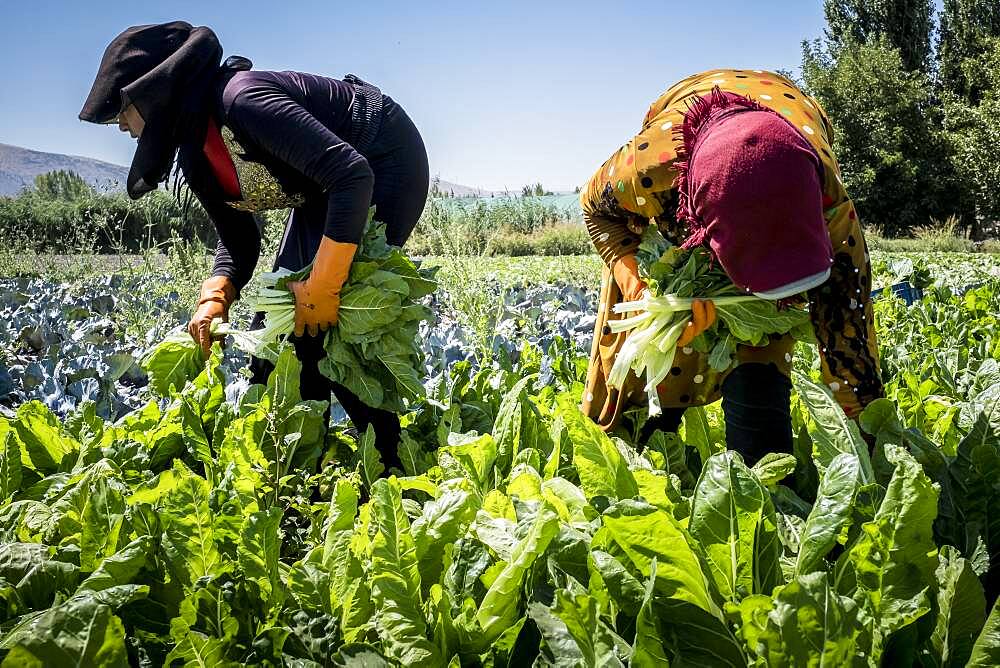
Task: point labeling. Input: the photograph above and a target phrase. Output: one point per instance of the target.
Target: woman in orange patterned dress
(739, 161)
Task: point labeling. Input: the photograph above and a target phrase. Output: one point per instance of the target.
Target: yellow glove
(626, 273)
(702, 317)
(317, 299)
(217, 294)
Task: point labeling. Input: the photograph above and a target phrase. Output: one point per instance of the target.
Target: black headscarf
(166, 71)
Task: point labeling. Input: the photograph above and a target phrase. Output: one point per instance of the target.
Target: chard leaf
(751, 321)
(499, 608)
(472, 456)
(80, 632)
(559, 649)
(602, 470)
(204, 630)
(194, 436)
(102, 521)
(598, 644)
(309, 585)
(338, 529)
(831, 430)
(809, 625)
(694, 637)
(442, 522)
(173, 362)
(419, 281)
(259, 548)
(369, 459)
(189, 542)
(654, 534)
(122, 567)
(47, 445)
(10, 466)
(774, 467)
(518, 425)
(894, 558)
(408, 380)
(831, 512)
(647, 649)
(961, 608)
(697, 432)
(733, 519)
(625, 590)
(365, 309)
(396, 582)
(986, 651)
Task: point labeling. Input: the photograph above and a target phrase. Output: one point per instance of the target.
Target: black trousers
(402, 177)
(756, 407)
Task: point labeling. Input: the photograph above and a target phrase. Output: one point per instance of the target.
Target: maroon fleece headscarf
(749, 186)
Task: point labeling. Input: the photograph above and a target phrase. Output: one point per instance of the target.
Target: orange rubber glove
(702, 317)
(626, 273)
(317, 299)
(217, 294)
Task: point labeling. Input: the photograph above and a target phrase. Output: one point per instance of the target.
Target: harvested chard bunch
(675, 278)
(373, 349)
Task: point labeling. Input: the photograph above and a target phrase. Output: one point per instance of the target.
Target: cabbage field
(177, 515)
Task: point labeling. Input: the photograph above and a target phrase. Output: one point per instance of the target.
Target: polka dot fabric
(635, 187)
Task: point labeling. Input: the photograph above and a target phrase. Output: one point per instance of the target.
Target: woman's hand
(200, 325)
(317, 299)
(626, 273)
(702, 317)
(217, 293)
(315, 310)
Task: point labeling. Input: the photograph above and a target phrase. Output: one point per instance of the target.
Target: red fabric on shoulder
(220, 160)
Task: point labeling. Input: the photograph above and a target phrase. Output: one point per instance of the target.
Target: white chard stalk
(650, 348)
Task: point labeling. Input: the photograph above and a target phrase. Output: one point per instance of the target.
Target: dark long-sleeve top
(299, 126)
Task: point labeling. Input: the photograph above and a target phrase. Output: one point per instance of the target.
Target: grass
(936, 237)
(475, 283)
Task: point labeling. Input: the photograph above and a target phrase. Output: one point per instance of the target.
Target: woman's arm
(606, 219)
(281, 127)
(238, 249)
(841, 312)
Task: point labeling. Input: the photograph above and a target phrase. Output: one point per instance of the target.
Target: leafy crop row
(197, 531)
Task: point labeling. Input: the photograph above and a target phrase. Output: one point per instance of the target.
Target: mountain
(19, 167)
(456, 190)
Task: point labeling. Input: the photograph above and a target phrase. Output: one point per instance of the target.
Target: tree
(906, 24)
(62, 185)
(966, 30)
(887, 132)
(973, 130)
(534, 190)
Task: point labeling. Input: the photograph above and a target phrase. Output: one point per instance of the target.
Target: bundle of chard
(678, 281)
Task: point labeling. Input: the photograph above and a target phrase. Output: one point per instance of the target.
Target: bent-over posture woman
(739, 161)
(249, 141)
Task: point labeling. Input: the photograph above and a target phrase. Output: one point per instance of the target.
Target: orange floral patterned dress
(634, 187)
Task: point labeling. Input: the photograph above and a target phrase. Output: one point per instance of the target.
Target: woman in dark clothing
(249, 141)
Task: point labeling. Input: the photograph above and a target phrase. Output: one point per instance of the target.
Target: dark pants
(756, 406)
(399, 161)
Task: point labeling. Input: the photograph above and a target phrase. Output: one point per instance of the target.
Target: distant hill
(19, 167)
(448, 188)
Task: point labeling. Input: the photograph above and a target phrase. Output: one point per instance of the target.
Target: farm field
(214, 524)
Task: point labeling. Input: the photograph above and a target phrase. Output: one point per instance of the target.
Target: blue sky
(504, 93)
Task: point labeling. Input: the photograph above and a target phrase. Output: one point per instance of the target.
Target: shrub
(93, 222)
(558, 239)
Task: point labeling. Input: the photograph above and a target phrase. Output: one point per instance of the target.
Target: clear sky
(504, 93)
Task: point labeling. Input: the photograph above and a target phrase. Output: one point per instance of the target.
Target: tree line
(62, 213)
(914, 97)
